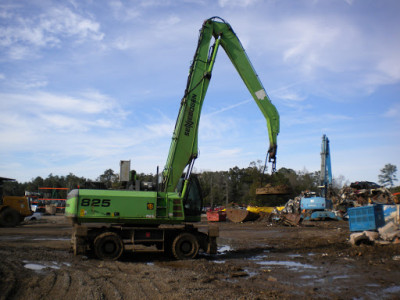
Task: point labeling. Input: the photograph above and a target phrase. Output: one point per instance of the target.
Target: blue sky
(85, 84)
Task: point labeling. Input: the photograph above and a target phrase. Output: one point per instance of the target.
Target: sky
(85, 84)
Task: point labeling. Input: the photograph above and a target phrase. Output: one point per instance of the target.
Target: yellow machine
(13, 209)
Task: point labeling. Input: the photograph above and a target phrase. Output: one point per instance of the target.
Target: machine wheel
(108, 246)
(185, 246)
(9, 217)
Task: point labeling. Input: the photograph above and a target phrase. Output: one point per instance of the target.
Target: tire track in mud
(84, 285)
(100, 283)
(61, 286)
(125, 281)
(130, 284)
(8, 282)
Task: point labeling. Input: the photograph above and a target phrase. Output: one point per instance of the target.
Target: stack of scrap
(288, 215)
(292, 206)
(291, 219)
(364, 192)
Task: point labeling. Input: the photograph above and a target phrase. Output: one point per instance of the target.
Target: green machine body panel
(129, 207)
(135, 207)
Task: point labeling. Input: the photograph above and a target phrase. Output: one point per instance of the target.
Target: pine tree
(388, 175)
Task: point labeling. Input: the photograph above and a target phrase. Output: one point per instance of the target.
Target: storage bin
(366, 217)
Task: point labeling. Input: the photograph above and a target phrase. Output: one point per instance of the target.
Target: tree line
(237, 185)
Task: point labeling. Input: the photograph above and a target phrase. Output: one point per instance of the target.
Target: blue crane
(319, 207)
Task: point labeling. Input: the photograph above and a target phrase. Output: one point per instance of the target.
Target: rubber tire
(185, 246)
(108, 246)
(9, 217)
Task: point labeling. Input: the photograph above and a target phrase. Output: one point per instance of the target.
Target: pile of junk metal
(362, 193)
(311, 206)
(358, 194)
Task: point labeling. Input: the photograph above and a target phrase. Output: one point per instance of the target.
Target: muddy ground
(255, 261)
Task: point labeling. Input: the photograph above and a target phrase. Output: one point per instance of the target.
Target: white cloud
(123, 12)
(309, 118)
(89, 102)
(289, 95)
(237, 3)
(33, 116)
(393, 111)
(334, 53)
(48, 29)
(313, 44)
(29, 83)
(163, 129)
(165, 34)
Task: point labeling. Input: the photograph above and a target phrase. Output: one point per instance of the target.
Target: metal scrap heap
(361, 193)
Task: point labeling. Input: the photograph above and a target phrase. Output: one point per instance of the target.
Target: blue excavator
(320, 207)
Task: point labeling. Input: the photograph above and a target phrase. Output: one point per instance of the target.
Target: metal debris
(361, 193)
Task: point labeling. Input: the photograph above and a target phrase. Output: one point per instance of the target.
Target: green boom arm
(183, 150)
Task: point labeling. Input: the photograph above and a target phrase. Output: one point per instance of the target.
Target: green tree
(108, 178)
(72, 181)
(388, 175)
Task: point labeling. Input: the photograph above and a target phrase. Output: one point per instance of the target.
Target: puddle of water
(42, 265)
(219, 261)
(51, 239)
(295, 255)
(224, 249)
(341, 277)
(258, 257)
(251, 273)
(392, 289)
(289, 264)
(35, 267)
(309, 277)
(39, 267)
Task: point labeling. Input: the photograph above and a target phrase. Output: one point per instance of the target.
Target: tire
(9, 217)
(108, 246)
(185, 246)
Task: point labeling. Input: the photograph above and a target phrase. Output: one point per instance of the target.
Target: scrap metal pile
(361, 193)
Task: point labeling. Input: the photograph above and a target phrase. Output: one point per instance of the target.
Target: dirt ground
(255, 261)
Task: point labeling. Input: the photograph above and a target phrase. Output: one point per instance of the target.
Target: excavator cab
(193, 198)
